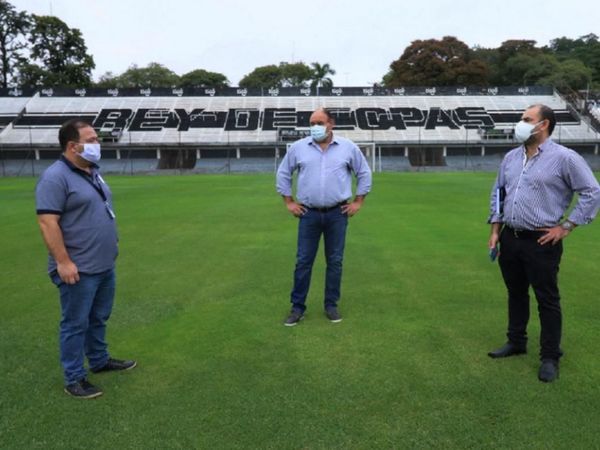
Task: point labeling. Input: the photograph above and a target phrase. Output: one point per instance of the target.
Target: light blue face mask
(318, 132)
(91, 152)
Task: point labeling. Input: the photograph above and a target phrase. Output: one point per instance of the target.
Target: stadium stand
(594, 109)
(239, 130)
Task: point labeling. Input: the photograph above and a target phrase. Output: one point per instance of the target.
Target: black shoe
(83, 389)
(293, 319)
(116, 364)
(548, 370)
(333, 315)
(507, 349)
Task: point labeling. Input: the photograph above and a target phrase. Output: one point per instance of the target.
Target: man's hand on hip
(68, 272)
(295, 208)
(553, 235)
(351, 208)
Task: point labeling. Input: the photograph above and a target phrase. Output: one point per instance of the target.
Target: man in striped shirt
(534, 187)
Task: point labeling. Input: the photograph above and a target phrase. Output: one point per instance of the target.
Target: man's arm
(581, 179)
(353, 207)
(363, 182)
(53, 237)
(284, 183)
(494, 235)
(295, 208)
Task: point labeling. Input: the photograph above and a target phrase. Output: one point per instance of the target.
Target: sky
(359, 39)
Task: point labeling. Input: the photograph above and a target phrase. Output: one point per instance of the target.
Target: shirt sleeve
(363, 172)
(494, 217)
(582, 180)
(50, 197)
(285, 172)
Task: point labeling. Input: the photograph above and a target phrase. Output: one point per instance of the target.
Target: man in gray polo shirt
(76, 218)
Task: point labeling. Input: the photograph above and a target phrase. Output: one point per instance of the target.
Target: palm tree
(320, 75)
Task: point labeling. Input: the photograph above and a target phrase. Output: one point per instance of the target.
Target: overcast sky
(359, 39)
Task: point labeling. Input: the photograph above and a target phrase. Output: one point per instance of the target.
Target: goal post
(369, 149)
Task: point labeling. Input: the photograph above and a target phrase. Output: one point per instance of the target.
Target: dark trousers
(332, 225)
(526, 263)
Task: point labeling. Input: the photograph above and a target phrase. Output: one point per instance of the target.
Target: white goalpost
(369, 149)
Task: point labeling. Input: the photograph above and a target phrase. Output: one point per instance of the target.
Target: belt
(525, 234)
(326, 208)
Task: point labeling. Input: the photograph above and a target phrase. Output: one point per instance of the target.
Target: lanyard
(97, 187)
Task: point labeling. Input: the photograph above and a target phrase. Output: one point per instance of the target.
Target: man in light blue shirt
(325, 164)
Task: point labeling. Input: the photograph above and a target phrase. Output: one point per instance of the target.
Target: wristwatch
(568, 226)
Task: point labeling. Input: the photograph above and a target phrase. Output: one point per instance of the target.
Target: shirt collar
(333, 141)
(73, 167)
(546, 145)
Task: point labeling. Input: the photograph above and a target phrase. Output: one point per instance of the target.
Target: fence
(481, 156)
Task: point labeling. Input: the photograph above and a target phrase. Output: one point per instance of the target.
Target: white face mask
(318, 132)
(91, 152)
(524, 130)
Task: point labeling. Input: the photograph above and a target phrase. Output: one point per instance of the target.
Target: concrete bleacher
(35, 127)
(235, 128)
(12, 105)
(10, 109)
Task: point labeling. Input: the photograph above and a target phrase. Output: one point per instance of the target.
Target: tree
(13, 28)
(58, 55)
(203, 78)
(283, 75)
(435, 62)
(491, 58)
(513, 47)
(263, 77)
(295, 74)
(152, 76)
(320, 77)
(107, 80)
(585, 49)
(571, 73)
(527, 69)
(515, 58)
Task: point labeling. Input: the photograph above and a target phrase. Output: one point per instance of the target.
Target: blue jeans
(332, 225)
(85, 308)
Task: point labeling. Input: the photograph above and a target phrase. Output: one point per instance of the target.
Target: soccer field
(204, 275)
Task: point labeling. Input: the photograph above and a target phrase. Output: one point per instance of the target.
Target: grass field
(204, 277)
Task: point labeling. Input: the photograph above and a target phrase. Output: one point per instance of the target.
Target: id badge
(110, 211)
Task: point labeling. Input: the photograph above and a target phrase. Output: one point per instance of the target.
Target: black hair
(69, 132)
(328, 113)
(547, 113)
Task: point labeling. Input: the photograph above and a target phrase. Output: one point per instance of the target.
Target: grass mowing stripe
(204, 276)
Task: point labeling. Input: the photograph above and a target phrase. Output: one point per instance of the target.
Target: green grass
(204, 277)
